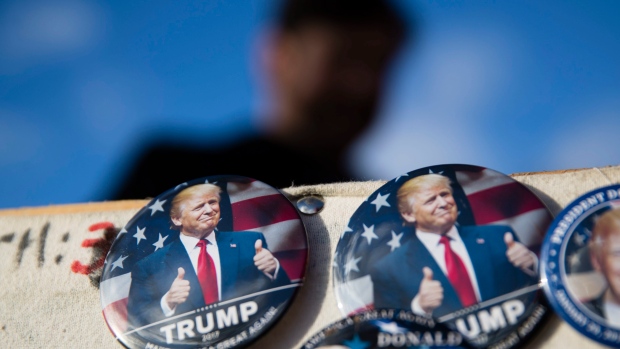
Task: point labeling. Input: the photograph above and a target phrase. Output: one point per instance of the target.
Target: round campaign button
(386, 328)
(581, 265)
(211, 263)
(458, 243)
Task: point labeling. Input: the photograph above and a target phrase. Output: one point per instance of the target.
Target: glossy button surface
(581, 265)
(458, 243)
(213, 262)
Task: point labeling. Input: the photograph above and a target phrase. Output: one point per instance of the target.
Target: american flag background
(246, 205)
(483, 196)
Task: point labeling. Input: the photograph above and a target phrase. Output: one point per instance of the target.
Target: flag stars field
(160, 243)
(157, 206)
(119, 262)
(369, 233)
(180, 186)
(352, 265)
(139, 235)
(347, 230)
(401, 176)
(395, 242)
(380, 201)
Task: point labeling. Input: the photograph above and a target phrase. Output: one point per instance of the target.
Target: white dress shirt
(193, 252)
(611, 311)
(437, 250)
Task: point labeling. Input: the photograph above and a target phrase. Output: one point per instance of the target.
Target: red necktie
(457, 274)
(206, 274)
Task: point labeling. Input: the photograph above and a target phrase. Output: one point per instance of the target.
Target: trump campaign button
(386, 328)
(581, 265)
(457, 243)
(211, 263)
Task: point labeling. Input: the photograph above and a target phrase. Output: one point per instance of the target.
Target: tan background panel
(46, 300)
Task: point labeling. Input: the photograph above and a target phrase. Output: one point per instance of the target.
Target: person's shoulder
(595, 305)
(155, 258)
(395, 257)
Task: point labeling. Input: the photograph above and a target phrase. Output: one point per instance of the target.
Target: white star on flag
(160, 243)
(180, 185)
(157, 206)
(399, 177)
(347, 230)
(139, 235)
(369, 233)
(380, 200)
(119, 262)
(352, 265)
(574, 259)
(431, 171)
(395, 242)
(580, 239)
(207, 182)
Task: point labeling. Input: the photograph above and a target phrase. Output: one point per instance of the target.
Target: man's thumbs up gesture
(179, 290)
(430, 294)
(519, 255)
(264, 260)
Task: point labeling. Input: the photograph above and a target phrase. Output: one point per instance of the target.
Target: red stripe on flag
(293, 262)
(262, 211)
(501, 202)
(116, 316)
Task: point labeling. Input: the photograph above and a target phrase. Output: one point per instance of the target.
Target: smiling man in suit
(201, 267)
(604, 249)
(448, 267)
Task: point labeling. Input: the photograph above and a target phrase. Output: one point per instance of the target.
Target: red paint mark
(90, 242)
(80, 268)
(100, 248)
(101, 225)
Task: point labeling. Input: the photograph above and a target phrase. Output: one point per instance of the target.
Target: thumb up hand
(263, 259)
(509, 240)
(179, 290)
(517, 254)
(430, 294)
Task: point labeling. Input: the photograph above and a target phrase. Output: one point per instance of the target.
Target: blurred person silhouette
(325, 64)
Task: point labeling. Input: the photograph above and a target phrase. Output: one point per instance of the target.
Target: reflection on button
(311, 204)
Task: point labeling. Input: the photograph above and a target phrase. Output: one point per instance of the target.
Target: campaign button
(581, 262)
(213, 262)
(386, 328)
(457, 243)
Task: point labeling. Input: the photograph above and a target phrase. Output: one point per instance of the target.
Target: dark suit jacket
(397, 276)
(152, 276)
(595, 305)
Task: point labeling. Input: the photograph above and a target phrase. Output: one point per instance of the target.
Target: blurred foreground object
(325, 64)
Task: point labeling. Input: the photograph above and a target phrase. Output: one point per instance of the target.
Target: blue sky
(514, 86)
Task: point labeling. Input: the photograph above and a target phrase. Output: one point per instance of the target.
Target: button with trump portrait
(211, 263)
(456, 243)
(580, 265)
(386, 328)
